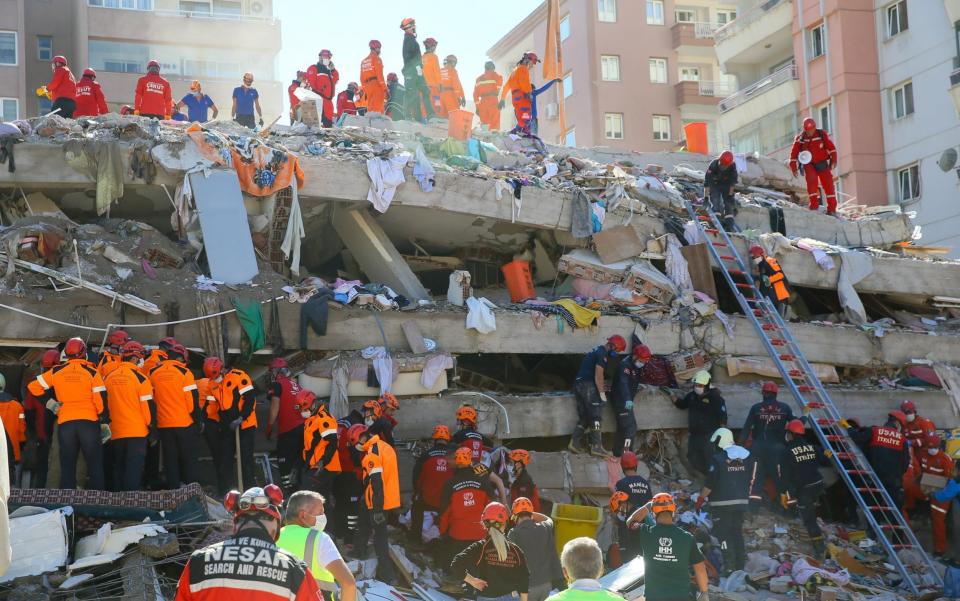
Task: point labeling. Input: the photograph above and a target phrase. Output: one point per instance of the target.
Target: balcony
(955, 88)
(701, 92)
(694, 38)
(772, 82)
(761, 33)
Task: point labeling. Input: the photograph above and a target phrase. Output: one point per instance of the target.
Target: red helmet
(932, 440)
(617, 342)
(495, 512)
(726, 158)
(467, 413)
(132, 348)
(50, 358)
(305, 399)
(75, 347)
(375, 45)
(126, 110)
(809, 124)
(179, 349)
(153, 63)
(389, 401)
(628, 461)
(463, 457)
(908, 407)
(167, 343)
(663, 502)
(795, 426)
(59, 60)
(756, 250)
(900, 416)
(522, 505)
(532, 56)
(430, 43)
(373, 407)
(392, 77)
(326, 53)
(769, 388)
(118, 338)
(641, 352)
(267, 500)
(212, 367)
(520, 455)
(408, 23)
(354, 433)
(618, 500)
(278, 363)
(88, 72)
(441, 432)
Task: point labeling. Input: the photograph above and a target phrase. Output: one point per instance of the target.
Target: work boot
(596, 445)
(576, 440)
(598, 451)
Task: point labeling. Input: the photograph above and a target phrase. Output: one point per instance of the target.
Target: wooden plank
(698, 262)
(414, 338)
(618, 243)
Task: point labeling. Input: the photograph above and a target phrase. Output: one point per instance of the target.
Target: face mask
(639, 364)
(368, 421)
(757, 260)
(359, 446)
(933, 452)
(698, 389)
(325, 62)
(320, 523)
(911, 417)
(304, 414)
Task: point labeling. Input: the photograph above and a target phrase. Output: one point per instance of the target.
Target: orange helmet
(389, 401)
(374, 408)
(663, 502)
(522, 505)
(519, 455)
(618, 500)
(467, 413)
(795, 426)
(305, 399)
(408, 23)
(463, 457)
(441, 432)
(495, 512)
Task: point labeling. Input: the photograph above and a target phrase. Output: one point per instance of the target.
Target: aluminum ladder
(887, 523)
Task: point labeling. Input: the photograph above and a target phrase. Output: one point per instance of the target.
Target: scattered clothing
(386, 174)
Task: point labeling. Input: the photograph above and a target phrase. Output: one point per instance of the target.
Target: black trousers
(724, 204)
(179, 447)
(417, 509)
(347, 492)
(381, 547)
(66, 106)
(290, 450)
(246, 120)
(129, 457)
(807, 498)
(626, 431)
(75, 437)
(212, 436)
(417, 98)
(767, 454)
(699, 452)
(728, 528)
(589, 407)
(228, 445)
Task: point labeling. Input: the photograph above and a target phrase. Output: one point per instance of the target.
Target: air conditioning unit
(256, 8)
(552, 110)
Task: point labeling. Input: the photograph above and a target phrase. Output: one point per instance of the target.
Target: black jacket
(503, 577)
(732, 481)
(799, 466)
(626, 381)
(411, 55)
(767, 422)
(707, 413)
(722, 177)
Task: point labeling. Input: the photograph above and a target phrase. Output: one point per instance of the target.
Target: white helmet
(723, 438)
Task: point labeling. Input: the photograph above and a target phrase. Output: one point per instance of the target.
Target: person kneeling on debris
(494, 566)
(708, 411)
(304, 537)
(320, 435)
(523, 485)
(799, 475)
(589, 389)
(669, 553)
(430, 473)
(248, 565)
(533, 532)
(719, 180)
(729, 487)
(464, 497)
(772, 282)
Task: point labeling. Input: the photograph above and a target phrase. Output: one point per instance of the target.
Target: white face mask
(325, 62)
(911, 417)
(304, 414)
(698, 389)
(368, 421)
(933, 452)
(359, 446)
(321, 522)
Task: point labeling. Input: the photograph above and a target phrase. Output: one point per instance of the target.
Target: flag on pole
(553, 59)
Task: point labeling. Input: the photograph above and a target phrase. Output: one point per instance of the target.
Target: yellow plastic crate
(953, 443)
(572, 521)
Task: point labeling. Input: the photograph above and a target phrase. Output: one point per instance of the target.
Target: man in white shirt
(304, 537)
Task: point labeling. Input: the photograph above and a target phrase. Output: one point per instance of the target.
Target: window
(44, 47)
(661, 127)
(564, 28)
(570, 138)
(609, 68)
(817, 42)
(689, 73)
(658, 70)
(725, 16)
(201, 8)
(654, 12)
(908, 180)
(686, 15)
(44, 105)
(128, 4)
(613, 126)
(607, 11)
(902, 100)
(9, 109)
(121, 66)
(568, 84)
(208, 68)
(896, 18)
(8, 48)
(824, 117)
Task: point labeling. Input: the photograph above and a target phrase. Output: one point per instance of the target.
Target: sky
(464, 28)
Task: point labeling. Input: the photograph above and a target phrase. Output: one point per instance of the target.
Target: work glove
(379, 518)
(628, 405)
(785, 500)
(603, 397)
(167, 117)
(236, 423)
(699, 504)
(828, 454)
(54, 406)
(463, 102)
(104, 433)
(501, 104)
(844, 423)
(42, 91)
(261, 121)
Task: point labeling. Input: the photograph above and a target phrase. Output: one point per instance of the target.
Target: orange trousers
(449, 102)
(489, 113)
(436, 101)
(376, 98)
(523, 110)
(938, 513)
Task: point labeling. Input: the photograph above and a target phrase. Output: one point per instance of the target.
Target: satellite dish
(948, 159)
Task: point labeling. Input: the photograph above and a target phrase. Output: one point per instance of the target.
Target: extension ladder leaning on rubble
(875, 503)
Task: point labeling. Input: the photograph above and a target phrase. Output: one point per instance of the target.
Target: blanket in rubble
(262, 170)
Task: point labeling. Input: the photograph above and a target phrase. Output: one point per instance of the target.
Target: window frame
(564, 19)
(663, 17)
(730, 15)
(572, 131)
(668, 133)
(908, 101)
(825, 122)
(16, 108)
(611, 58)
(692, 11)
(912, 171)
(16, 48)
(103, 4)
(40, 56)
(656, 60)
(608, 132)
(902, 18)
(815, 33)
(603, 10)
(681, 69)
(567, 89)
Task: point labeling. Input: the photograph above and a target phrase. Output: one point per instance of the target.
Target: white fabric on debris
(823, 259)
(386, 174)
(854, 266)
(950, 380)
(459, 287)
(479, 315)
(803, 571)
(382, 366)
(295, 230)
(677, 269)
(500, 186)
(692, 233)
(423, 169)
(434, 367)
(339, 380)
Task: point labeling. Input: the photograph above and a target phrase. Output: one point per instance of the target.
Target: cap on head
(496, 513)
(617, 343)
(702, 377)
(795, 426)
(75, 347)
(769, 388)
(463, 457)
(663, 502)
(212, 367)
(726, 158)
(441, 432)
(756, 250)
(520, 455)
(628, 461)
(521, 505)
(132, 348)
(809, 124)
(617, 500)
(641, 352)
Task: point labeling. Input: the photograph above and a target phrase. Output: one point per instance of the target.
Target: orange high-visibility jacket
(14, 422)
(381, 480)
(320, 442)
(77, 385)
(175, 392)
(129, 393)
(519, 80)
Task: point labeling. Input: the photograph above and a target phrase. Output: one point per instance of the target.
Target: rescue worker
(495, 567)
(292, 97)
(467, 434)
(888, 452)
(771, 279)
(465, 495)
(930, 460)
(486, 90)
(718, 183)
(40, 420)
(389, 405)
(818, 170)
(730, 488)
(765, 427)
(522, 484)
(917, 427)
(626, 382)
(287, 416)
(15, 425)
(520, 89)
(430, 474)
(371, 79)
(802, 484)
(178, 415)
(451, 90)
(248, 565)
(656, 370)
(627, 543)
(417, 104)
(110, 354)
(197, 104)
(432, 75)
(374, 420)
(534, 533)
(304, 537)
(238, 413)
(632, 482)
(396, 98)
(132, 410)
(707, 412)
(381, 494)
(323, 78)
(62, 89)
(208, 391)
(155, 356)
(246, 98)
(90, 100)
(154, 95)
(348, 487)
(74, 392)
(589, 389)
(669, 553)
(320, 441)
(345, 101)
(949, 494)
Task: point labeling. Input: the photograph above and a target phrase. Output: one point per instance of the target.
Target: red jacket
(62, 84)
(288, 418)
(90, 99)
(325, 84)
(345, 105)
(465, 495)
(917, 430)
(819, 145)
(293, 87)
(430, 475)
(939, 465)
(154, 95)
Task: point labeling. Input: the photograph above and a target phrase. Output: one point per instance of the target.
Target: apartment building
(12, 80)
(637, 71)
(214, 41)
(953, 17)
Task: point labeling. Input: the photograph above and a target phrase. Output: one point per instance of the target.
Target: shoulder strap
(309, 546)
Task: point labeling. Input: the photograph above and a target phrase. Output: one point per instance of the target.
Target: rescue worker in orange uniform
(375, 421)
(286, 414)
(320, 442)
(917, 427)
(432, 75)
(208, 391)
(465, 495)
(430, 473)
(62, 89)
(372, 81)
(15, 424)
(390, 404)
(360, 101)
(237, 411)
(110, 354)
(451, 90)
(74, 391)
(323, 78)
(381, 494)
(130, 399)
(520, 90)
(772, 281)
(819, 170)
(178, 416)
(933, 461)
(155, 356)
(522, 484)
(90, 99)
(486, 90)
(154, 94)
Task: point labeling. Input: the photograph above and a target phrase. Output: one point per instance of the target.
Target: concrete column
(376, 254)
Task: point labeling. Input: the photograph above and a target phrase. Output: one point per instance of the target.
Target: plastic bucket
(572, 521)
(519, 280)
(696, 134)
(459, 124)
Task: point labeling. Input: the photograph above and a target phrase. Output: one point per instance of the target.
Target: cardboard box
(618, 243)
(932, 481)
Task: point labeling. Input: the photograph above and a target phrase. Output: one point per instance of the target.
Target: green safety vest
(302, 542)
